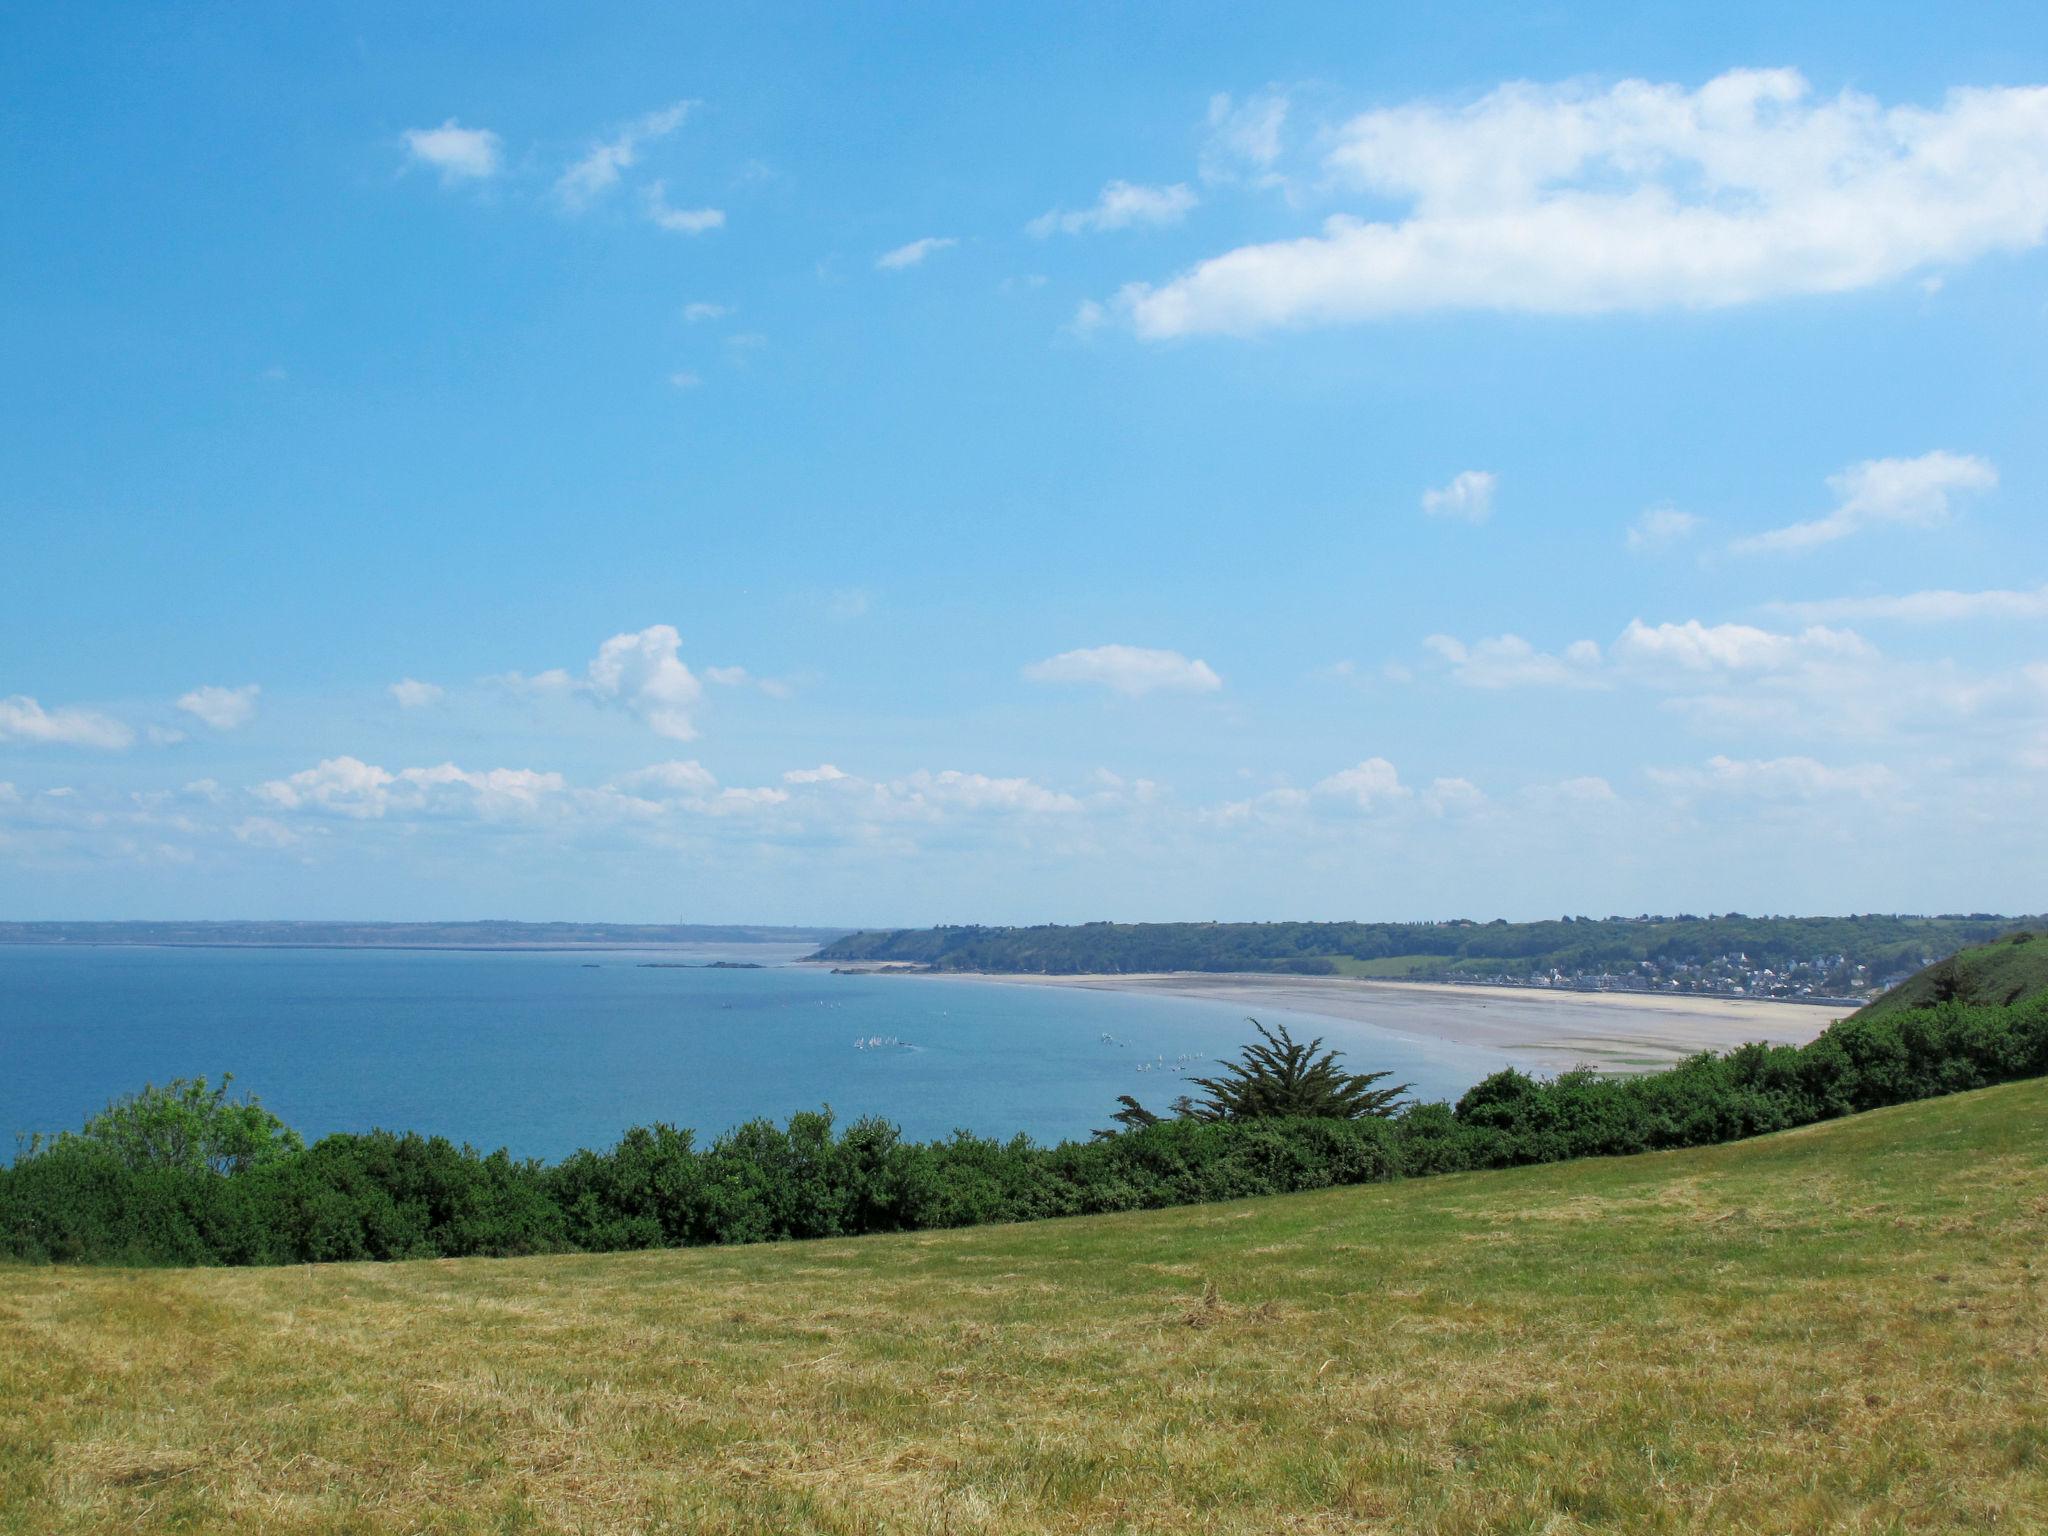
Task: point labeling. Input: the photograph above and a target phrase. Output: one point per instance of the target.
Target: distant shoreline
(620, 946)
(1549, 1028)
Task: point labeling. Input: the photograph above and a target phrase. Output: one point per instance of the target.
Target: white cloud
(1127, 669)
(683, 378)
(492, 792)
(1509, 661)
(350, 787)
(1089, 317)
(700, 311)
(1911, 492)
(1696, 648)
(598, 172)
(1778, 778)
(347, 786)
(1575, 198)
(643, 672)
(1660, 528)
(676, 776)
(1938, 606)
(1453, 797)
(1468, 498)
(952, 789)
(1274, 807)
(914, 253)
(824, 773)
(1586, 789)
(23, 719)
(680, 221)
(222, 708)
(266, 832)
(1120, 205)
(740, 677)
(1245, 137)
(639, 671)
(1372, 784)
(411, 693)
(458, 153)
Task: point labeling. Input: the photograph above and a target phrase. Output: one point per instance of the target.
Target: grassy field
(1836, 1329)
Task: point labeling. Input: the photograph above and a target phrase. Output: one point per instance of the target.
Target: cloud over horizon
(1131, 670)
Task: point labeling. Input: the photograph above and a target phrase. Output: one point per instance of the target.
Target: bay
(542, 1052)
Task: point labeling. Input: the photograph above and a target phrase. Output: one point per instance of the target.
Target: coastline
(1546, 1031)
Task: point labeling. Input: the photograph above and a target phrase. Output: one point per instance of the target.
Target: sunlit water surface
(544, 1052)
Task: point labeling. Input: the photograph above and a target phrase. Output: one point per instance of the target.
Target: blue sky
(833, 465)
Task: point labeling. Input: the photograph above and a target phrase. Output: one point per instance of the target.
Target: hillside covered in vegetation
(1837, 1329)
(1729, 953)
(2012, 970)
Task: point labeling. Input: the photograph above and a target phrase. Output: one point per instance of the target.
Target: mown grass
(1836, 1329)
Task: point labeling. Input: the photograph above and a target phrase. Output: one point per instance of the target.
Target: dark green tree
(1279, 1079)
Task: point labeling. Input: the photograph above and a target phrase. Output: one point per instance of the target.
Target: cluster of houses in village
(1817, 979)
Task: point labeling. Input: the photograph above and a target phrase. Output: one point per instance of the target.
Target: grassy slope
(2004, 972)
(1841, 1328)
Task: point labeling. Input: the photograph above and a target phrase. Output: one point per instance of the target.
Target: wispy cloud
(1693, 647)
(1509, 661)
(1121, 205)
(1937, 606)
(1245, 137)
(22, 719)
(1130, 670)
(411, 693)
(1778, 778)
(1577, 198)
(680, 221)
(1468, 498)
(1914, 493)
(914, 254)
(591, 177)
(1658, 528)
(222, 708)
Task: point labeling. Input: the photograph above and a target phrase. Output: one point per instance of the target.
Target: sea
(545, 1051)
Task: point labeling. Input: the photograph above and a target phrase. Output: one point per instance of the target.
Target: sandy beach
(1549, 1031)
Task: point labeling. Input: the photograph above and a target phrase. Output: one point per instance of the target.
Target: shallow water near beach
(543, 1052)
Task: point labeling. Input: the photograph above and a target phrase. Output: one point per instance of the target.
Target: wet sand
(1547, 1031)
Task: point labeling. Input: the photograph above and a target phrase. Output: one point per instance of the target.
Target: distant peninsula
(488, 934)
(1730, 954)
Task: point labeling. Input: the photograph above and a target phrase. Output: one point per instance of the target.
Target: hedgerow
(239, 1188)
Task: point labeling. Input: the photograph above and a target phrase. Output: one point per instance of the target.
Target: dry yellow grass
(1839, 1329)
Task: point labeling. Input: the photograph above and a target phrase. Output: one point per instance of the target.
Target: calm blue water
(542, 1053)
